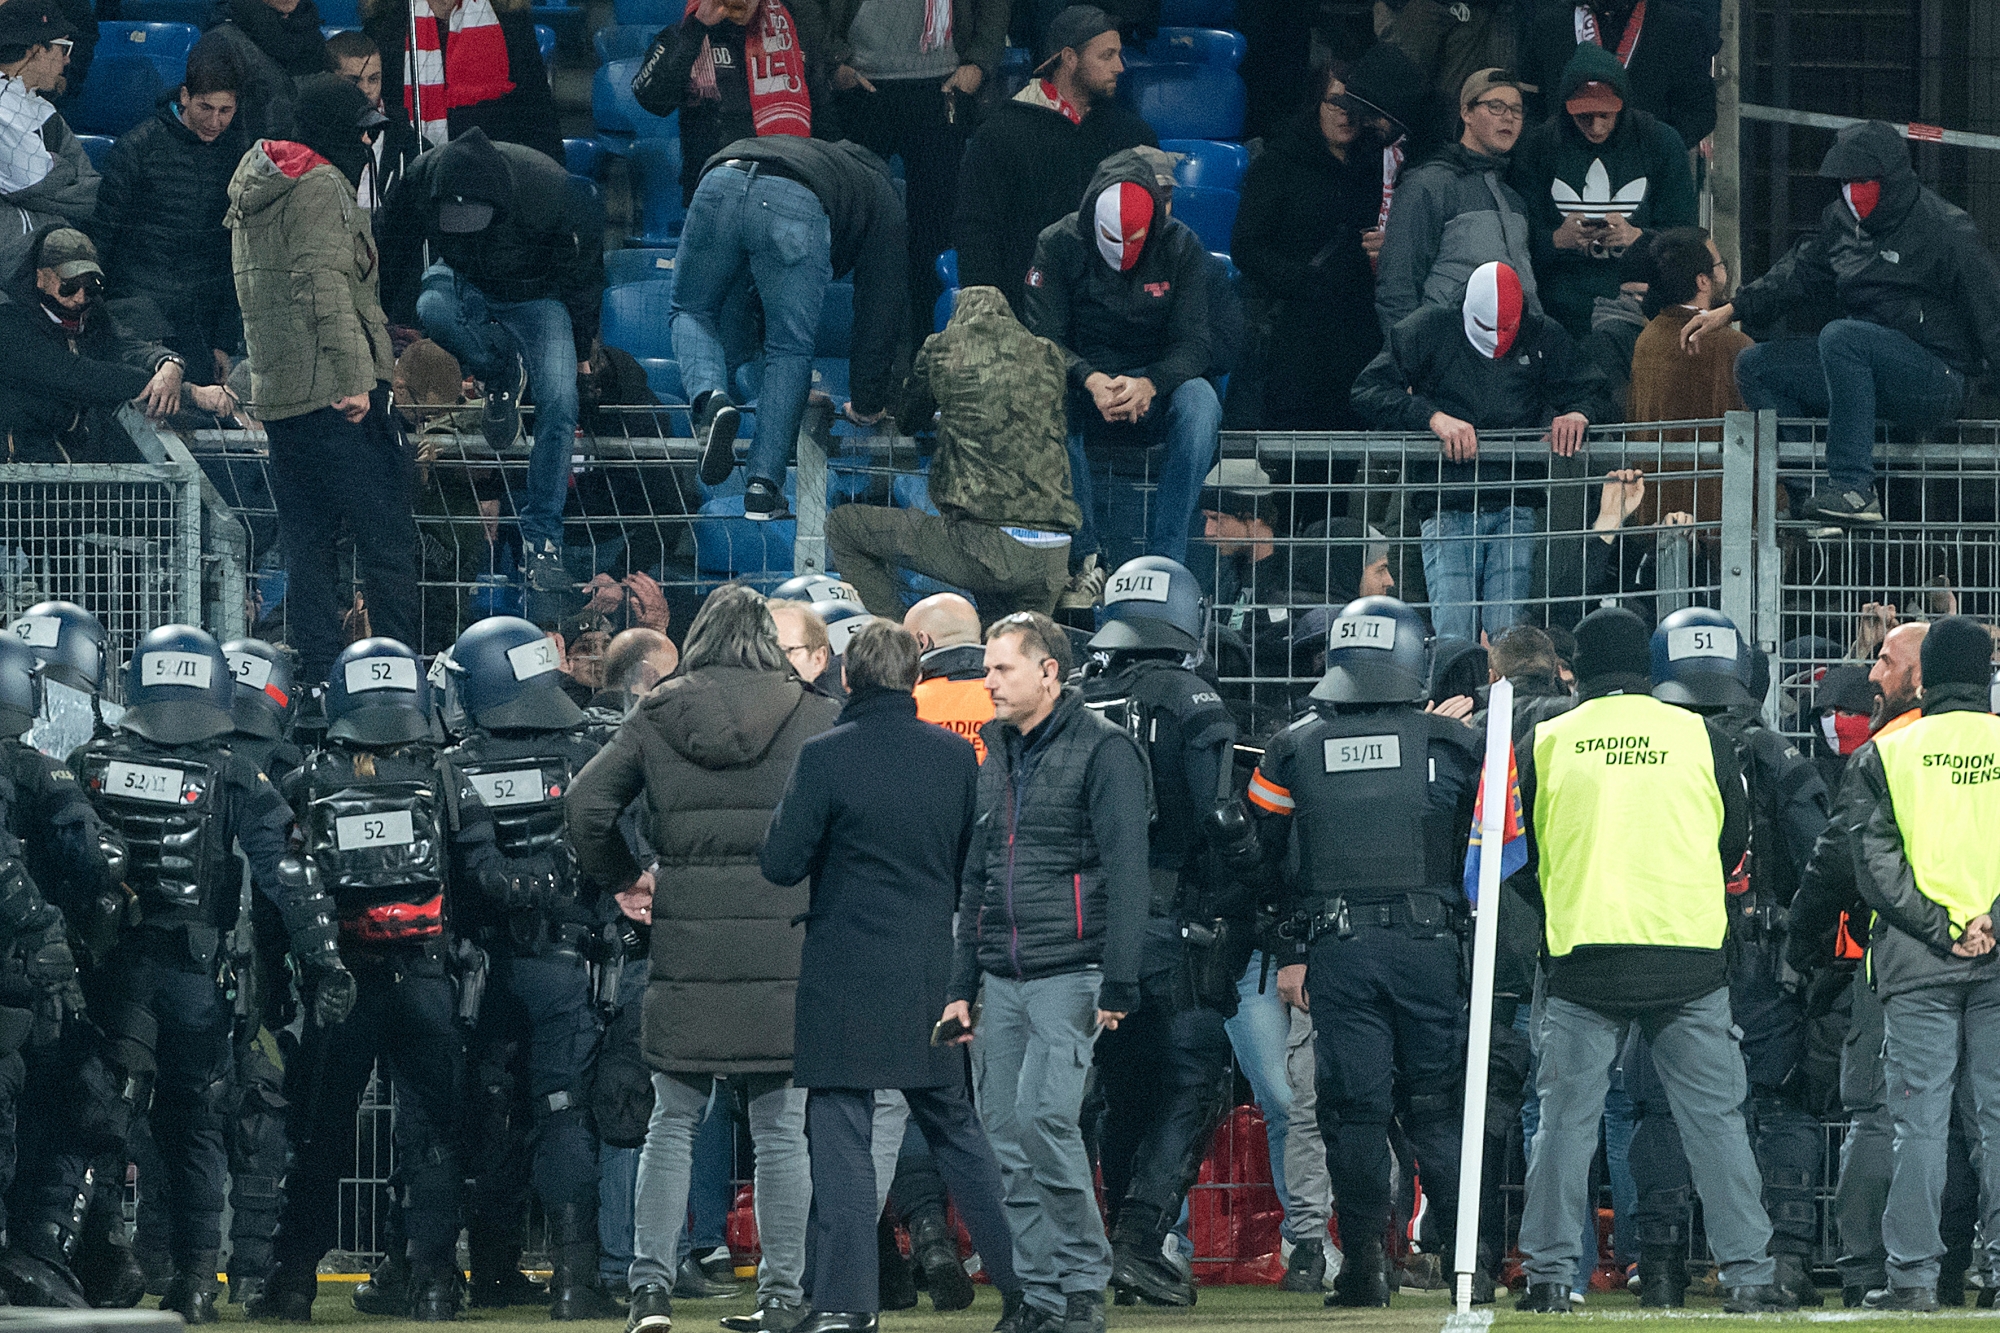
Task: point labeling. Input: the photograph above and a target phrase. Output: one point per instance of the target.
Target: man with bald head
(1898, 676)
(637, 660)
(952, 688)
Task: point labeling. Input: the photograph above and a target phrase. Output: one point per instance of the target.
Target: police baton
(1498, 799)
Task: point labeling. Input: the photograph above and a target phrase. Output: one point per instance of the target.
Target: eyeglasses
(788, 650)
(1501, 109)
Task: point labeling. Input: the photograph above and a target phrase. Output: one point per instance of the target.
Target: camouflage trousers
(869, 544)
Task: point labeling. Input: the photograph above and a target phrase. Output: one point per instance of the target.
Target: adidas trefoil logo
(1597, 198)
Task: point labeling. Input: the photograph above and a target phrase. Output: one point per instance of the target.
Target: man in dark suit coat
(878, 813)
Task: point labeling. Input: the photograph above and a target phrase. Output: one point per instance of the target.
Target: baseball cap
(1483, 81)
(1240, 487)
(32, 23)
(1595, 95)
(459, 215)
(67, 250)
(1074, 29)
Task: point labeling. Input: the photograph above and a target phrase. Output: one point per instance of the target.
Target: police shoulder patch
(1034, 277)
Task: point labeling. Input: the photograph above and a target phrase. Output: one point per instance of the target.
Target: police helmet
(376, 694)
(178, 689)
(814, 588)
(1378, 651)
(266, 699)
(20, 687)
(1700, 660)
(1151, 602)
(503, 673)
(68, 641)
(843, 621)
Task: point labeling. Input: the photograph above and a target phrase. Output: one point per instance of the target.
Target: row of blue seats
(333, 13)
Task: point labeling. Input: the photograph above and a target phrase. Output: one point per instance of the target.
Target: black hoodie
(1151, 320)
(1915, 266)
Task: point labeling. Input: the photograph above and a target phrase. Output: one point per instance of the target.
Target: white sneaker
(1086, 586)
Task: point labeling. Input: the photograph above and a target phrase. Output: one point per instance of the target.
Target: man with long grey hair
(712, 749)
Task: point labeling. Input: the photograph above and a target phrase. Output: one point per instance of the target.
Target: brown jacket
(712, 750)
(1670, 385)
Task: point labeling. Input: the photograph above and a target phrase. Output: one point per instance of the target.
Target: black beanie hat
(331, 114)
(1957, 651)
(1612, 642)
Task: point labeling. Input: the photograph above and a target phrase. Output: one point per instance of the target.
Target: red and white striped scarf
(937, 25)
(473, 70)
(776, 72)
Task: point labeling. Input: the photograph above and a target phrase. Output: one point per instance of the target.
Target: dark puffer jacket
(1915, 266)
(1152, 319)
(1055, 878)
(712, 750)
(159, 226)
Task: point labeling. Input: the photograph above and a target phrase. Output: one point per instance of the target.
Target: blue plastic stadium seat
(1212, 214)
(1017, 66)
(341, 13)
(640, 264)
(95, 146)
(622, 41)
(1208, 163)
(582, 156)
(166, 11)
(656, 164)
(1217, 47)
(634, 318)
(135, 63)
(663, 377)
(618, 114)
(830, 377)
(836, 321)
(327, 31)
(1198, 13)
(659, 13)
(947, 268)
(727, 543)
(545, 42)
(1186, 101)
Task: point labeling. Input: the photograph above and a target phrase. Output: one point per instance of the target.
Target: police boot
(1306, 1269)
(497, 1279)
(1138, 1269)
(1662, 1277)
(437, 1290)
(287, 1296)
(192, 1293)
(576, 1289)
(935, 1248)
(1794, 1276)
(894, 1282)
(106, 1268)
(386, 1290)
(36, 1271)
(1364, 1277)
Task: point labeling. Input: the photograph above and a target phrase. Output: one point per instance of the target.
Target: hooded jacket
(1024, 169)
(1915, 265)
(1640, 171)
(870, 240)
(712, 751)
(1452, 213)
(306, 272)
(274, 50)
(542, 243)
(1669, 70)
(49, 379)
(67, 196)
(1150, 320)
(159, 224)
(1002, 453)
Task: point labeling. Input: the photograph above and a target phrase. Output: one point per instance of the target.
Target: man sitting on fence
(1921, 298)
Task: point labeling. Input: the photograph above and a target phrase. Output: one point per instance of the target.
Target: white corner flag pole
(1485, 938)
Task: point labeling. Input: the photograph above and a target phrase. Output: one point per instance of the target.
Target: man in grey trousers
(1638, 812)
(1052, 906)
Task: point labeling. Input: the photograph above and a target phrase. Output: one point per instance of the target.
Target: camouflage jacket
(999, 391)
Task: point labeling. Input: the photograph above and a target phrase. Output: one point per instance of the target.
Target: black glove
(531, 885)
(330, 989)
(51, 967)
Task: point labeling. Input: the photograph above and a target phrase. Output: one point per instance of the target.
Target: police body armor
(520, 781)
(1366, 829)
(163, 802)
(378, 842)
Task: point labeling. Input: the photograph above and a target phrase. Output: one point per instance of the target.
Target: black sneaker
(651, 1311)
(546, 571)
(763, 502)
(1084, 1312)
(1774, 1299)
(192, 1297)
(1545, 1298)
(500, 419)
(1916, 1300)
(1843, 507)
(693, 1283)
(718, 1263)
(1306, 1269)
(715, 423)
(1017, 1316)
(1795, 1276)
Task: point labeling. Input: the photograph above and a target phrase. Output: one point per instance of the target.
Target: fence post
(809, 545)
(1739, 547)
(1770, 562)
(187, 479)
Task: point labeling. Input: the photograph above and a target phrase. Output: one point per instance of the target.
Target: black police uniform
(519, 895)
(1789, 811)
(373, 822)
(1379, 801)
(1164, 1072)
(180, 810)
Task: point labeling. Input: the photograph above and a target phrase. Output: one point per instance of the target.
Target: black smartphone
(948, 1030)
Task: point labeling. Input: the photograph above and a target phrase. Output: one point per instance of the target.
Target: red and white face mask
(1124, 217)
(1844, 731)
(1493, 309)
(1861, 197)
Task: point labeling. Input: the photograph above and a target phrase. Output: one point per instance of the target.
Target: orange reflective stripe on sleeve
(1268, 796)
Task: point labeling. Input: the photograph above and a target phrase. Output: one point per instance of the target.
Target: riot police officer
(167, 781)
(69, 644)
(1164, 1071)
(371, 814)
(521, 898)
(1376, 795)
(1701, 662)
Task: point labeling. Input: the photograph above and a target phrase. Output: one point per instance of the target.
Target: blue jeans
(483, 334)
(1191, 429)
(1853, 373)
(1479, 569)
(775, 232)
(1259, 1033)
